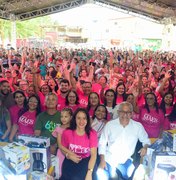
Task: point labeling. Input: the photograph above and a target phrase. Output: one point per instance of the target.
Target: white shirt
(113, 111)
(117, 143)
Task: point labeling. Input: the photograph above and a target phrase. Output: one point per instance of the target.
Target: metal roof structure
(159, 10)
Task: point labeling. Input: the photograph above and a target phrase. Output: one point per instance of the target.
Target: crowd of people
(88, 99)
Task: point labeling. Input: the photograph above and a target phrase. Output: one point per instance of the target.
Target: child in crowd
(66, 116)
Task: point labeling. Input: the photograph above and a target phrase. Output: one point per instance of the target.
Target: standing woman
(167, 107)
(172, 119)
(27, 117)
(93, 102)
(151, 117)
(120, 92)
(21, 102)
(82, 142)
(99, 119)
(110, 103)
(72, 101)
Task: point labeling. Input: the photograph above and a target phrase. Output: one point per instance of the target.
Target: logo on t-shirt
(25, 121)
(79, 149)
(50, 126)
(148, 118)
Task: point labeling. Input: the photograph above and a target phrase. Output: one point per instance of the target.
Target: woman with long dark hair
(151, 117)
(82, 142)
(172, 119)
(93, 102)
(110, 103)
(21, 102)
(120, 92)
(27, 117)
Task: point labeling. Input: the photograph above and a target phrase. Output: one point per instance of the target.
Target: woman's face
(120, 90)
(150, 98)
(83, 73)
(100, 113)
(45, 89)
(130, 99)
(109, 97)
(32, 103)
(72, 98)
(94, 100)
(81, 120)
(168, 99)
(19, 99)
(102, 80)
(51, 83)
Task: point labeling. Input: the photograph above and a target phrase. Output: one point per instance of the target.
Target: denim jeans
(121, 171)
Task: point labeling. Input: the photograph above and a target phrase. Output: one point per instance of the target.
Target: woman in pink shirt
(27, 117)
(151, 117)
(82, 142)
(71, 101)
(172, 119)
(93, 102)
(120, 92)
(21, 101)
(167, 107)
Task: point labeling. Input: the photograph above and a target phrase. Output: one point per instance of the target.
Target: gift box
(34, 141)
(165, 166)
(37, 175)
(40, 159)
(18, 156)
(55, 166)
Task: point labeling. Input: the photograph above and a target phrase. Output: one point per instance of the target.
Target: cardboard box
(55, 165)
(165, 166)
(34, 141)
(40, 157)
(18, 156)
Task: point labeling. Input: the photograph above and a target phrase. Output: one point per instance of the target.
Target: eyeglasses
(72, 96)
(128, 113)
(34, 102)
(150, 98)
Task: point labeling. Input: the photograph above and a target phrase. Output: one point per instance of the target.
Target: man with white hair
(117, 144)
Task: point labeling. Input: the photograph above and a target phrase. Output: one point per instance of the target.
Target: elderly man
(117, 144)
(48, 120)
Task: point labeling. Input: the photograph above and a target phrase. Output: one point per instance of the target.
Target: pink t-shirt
(74, 107)
(60, 155)
(141, 101)
(42, 101)
(152, 121)
(83, 100)
(80, 145)
(167, 122)
(119, 100)
(61, 102)
(14, 110)
(26, 123)
(97, 88)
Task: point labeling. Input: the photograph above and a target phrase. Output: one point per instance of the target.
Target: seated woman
(82, 142)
